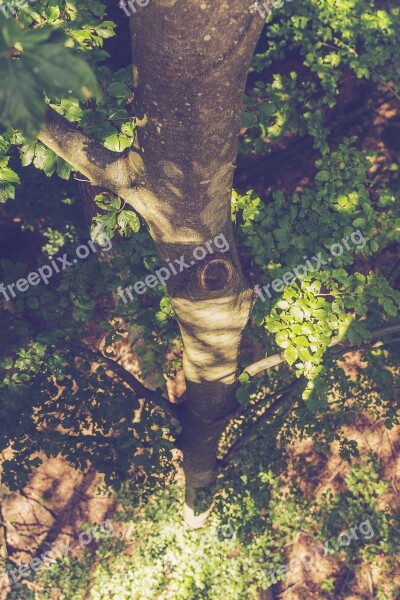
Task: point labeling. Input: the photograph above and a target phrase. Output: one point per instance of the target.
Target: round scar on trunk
(215, 274)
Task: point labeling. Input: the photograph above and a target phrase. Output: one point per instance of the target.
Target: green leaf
(248, 120)
(301, 341)
(360, 222)
(108, 202)
(281, 339)
(103, 227)
(69, 108)
(22, 103)
(374, 246)
(389, 307)
(117, 142)
(354, 336)
(50, 162)
(9, 175)
(267, 109)
(323, 176)
(128, 222)
(273, 326)
(7, 363)
(304, 354)
(6, 191)
(128, 129)
(244, 377)
(27, 153)
(63, 168)
(106, 29)
(297, 313)
(283, 304)
(291, 354)
(118, 90)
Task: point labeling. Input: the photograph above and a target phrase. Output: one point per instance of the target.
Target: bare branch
(137, 386)
(253, 432)
(281, 397)
(277, 359)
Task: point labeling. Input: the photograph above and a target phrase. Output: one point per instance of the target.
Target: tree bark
(191, 61)
(190, 64)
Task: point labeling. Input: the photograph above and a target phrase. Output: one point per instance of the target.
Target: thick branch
(277, 359)
(101, 166)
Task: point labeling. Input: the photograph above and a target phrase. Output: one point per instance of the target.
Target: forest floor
(58, 500)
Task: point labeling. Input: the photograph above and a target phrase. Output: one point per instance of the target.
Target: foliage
(323, 302)
(33, 60)
(334, 41)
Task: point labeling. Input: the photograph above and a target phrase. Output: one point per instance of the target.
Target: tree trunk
(191, 61)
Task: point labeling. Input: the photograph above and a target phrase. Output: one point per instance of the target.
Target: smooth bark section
(211, 331)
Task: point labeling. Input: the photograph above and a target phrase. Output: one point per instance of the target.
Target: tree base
(195, 521)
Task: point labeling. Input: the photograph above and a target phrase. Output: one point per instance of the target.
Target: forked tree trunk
(191, 59)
